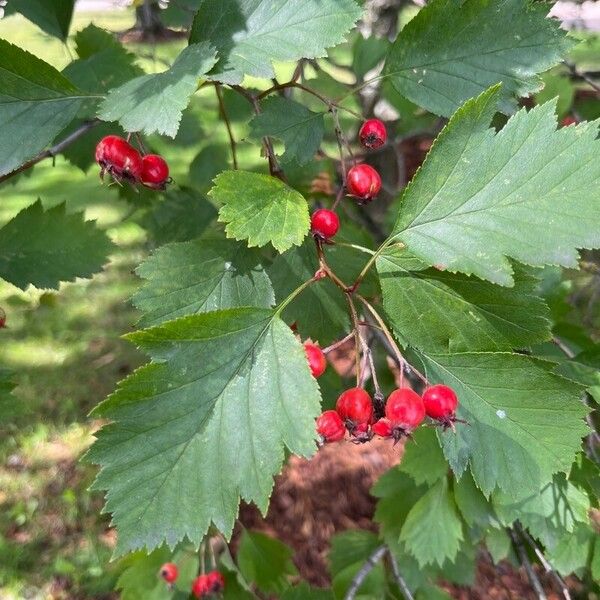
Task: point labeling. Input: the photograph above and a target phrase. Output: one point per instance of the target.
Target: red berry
(316, 359)
(216, 581)
(440, 402)
(330, 426)
(568, 120)
(2, 318)
(364, 182)
(372, 134)
(119, 158)
(355, 405)
(383, 428)
(405, 409)
(169, 572)
(324, 223)
(155, 171)
(201, 586)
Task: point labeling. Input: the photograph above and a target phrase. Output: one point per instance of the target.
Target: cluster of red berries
(204, 586)
(123, 162)
(362, 181)
(404, 411)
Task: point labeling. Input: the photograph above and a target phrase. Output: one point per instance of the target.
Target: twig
(54, 150)
(339, 343)
(581, 75)
(533, 578)
(364, 571)
(227, 125)
(398, 577)
(545, 562)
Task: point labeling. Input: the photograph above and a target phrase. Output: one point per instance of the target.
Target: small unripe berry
(440, 402)
(330, 426)
(364, 182)
(119, 158)
(355, 405)
(155, 171)
(372, 134)
(324, 223)
(405, 409)
(383, 428)
(169, 572)
(316, 359)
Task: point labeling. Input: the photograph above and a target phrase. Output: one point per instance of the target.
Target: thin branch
(364, 571)
(54, 150)
(339, 343)
(225, 118)
(545, 562)
(575, 72)
(398, 577)
(533, 578)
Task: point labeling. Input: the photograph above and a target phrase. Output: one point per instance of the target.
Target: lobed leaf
(52, 17)
(529, 192)
(43, 248)
(203, 425)
(454, 50)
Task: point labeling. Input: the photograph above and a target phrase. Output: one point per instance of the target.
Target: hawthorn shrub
(301, 236)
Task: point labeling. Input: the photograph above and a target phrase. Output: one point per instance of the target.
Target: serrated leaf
(202, 425)
(36, 104)
(250, 34)
(93, 39)
(260, 209)
(528, 192)
(432, 531)
(207, 164)
(154, 103)
(300, 129)
(573, 551)
(475, 508)
(447, 312)
(424, 460)
(265, 561)
(43, 248)
(498, 543)
(52, 17)
(452, 51)
(525, 423)
(200, 276)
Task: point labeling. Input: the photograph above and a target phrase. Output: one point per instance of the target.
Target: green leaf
(432, 531)
(154, 103)
(140, 580)
(304, 592)
(43, 248)
(453, 50)
(300, 129)
(182, 216)
(265, 561)
(424, 460)
(595, 567)
(474, 507)
(36, 104)
(368, 53)
(250, 34)
(573, 551)
(498, 543)
(52, 17)
(557, 86)
(203, 425)
(260, 209)
(92, 40)
(525, 423)
(207, 164)
(528, 192)
(199, 276)
(446, 312)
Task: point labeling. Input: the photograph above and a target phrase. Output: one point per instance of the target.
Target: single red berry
(440, 402)
(324, 223)
(169, 572)
(216, 582)
(355, 407)
(119, 158)
(364, 182)
(2, 318)
(330, 426)
(383, 428)
(372, 134)
(155, 171)
(201, 586)
(316, 359)
(405, 409)
(568, 120)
